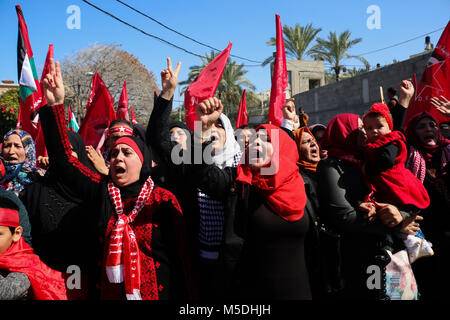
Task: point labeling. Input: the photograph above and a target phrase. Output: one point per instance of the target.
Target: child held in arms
(22, 274)
(390, 182)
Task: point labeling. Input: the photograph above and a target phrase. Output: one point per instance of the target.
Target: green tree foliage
(9, 110)
(334, 50)
(296, 41)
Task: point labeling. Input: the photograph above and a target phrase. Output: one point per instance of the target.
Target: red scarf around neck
(284, 191)
(122, 261)
(46, 283)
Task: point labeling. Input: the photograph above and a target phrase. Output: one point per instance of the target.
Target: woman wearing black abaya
(58, 215)
(140, 225)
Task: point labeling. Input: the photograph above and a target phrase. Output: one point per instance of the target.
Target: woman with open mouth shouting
(18, 161)
(140, 224)
(428, 159)
(271, 215)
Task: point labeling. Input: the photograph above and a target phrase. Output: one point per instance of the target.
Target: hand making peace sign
(53, 87)
(169, 79)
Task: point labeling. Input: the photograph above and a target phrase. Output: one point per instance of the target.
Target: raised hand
(442, 105)
(53, 87)
(97, 160)
(208, 111)
(169, 79)
(289, 110)
(405, 92)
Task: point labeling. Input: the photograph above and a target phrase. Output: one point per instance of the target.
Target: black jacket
(341, 191)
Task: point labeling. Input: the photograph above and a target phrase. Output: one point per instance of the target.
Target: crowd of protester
(297, 212)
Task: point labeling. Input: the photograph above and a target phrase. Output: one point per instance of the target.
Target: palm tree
(231, 84)
(335, 49)
(296, 41)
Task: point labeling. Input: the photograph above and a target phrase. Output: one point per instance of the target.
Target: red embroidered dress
(159, 227)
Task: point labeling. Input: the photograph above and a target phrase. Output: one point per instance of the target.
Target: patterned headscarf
(20, 174)
(304, 163)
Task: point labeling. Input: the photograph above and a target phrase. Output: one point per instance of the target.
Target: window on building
(289, 76)
(314, 83)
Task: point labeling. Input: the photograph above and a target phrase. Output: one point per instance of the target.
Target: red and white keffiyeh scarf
(122, 261)
(416, 164)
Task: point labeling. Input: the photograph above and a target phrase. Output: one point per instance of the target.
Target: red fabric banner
(100, 112)
(133, 117)
(279, 79)
(435, 81)
(242, 113)
(205, 85)
(122, 106)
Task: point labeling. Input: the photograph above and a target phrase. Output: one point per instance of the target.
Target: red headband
(383, 110)
(128, 131)
(9, 217)
(130, 142)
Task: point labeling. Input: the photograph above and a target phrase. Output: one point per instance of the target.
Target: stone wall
(6, 86)
(357, 94)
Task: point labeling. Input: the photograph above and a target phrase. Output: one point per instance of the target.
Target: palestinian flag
(29, 89)
(72, 121)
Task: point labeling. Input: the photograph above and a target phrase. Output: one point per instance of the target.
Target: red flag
(435, 81)
(41, 150)
(242, 113)
(30, 94)
(133, 118)
(94, 84)
(205, 85)
(279, 79)
(50, 54)
(122, 106)
(99, 114)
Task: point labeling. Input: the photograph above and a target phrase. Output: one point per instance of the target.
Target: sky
(248, 24)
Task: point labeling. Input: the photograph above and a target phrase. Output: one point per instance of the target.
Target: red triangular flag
(30, 94)
(122, 106)
(94, 84)
(133, 118)
(205, 85)
(99, 114)
(435, 81)
(242, 113)
(41, 150)
(279, 79)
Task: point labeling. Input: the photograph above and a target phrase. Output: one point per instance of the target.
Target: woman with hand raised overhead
(140, 224)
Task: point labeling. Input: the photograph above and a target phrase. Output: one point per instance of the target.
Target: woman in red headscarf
(428, 158)
(342, 191)
(274, 226)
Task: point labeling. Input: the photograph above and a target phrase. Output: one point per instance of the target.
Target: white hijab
(226, 156)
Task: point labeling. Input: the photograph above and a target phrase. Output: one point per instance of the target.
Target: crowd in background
(298, 212)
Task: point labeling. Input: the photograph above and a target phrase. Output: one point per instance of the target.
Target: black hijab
(178, 124)
(52, 179)
(133, 190)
